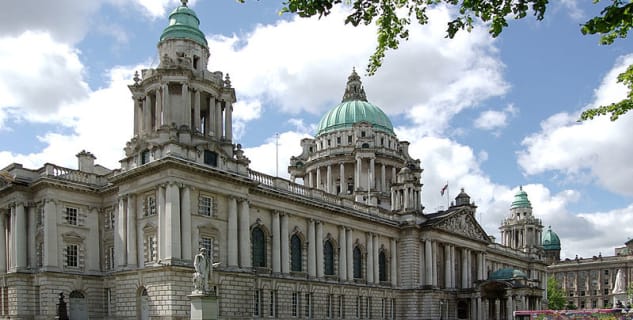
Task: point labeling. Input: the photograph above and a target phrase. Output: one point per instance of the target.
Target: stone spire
(354, 90)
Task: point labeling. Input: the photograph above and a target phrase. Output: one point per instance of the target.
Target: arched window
(258, 243)
(295, 253)
(382, 266)
(328, 257)
(358, 272)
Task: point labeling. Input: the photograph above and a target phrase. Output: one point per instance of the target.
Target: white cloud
(592, 150)
(429, 78)
(38, 75)
(273, 156)
(494, 119)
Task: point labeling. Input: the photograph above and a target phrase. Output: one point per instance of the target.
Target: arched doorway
(142, 304)
(77, 309)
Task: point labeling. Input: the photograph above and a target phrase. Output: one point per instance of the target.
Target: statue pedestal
(622, 297)
(204, 307)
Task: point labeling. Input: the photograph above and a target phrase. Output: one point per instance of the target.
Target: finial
(136, 78)
(354, 89)
(520, 187)
(184, 2)
(227, 81)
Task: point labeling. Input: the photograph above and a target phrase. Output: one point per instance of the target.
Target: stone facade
(350, 239)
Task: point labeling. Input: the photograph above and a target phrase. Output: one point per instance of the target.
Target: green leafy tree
(555, 296)
(393, 18)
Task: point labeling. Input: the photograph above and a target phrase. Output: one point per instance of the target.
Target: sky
(487, 115)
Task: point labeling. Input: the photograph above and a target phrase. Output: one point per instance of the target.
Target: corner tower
(180, 108)
(521, 231)
(551, 246)
(356, 155)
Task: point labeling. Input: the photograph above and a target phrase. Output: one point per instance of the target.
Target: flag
(444, 189)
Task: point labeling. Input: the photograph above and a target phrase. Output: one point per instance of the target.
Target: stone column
(319, 249)
(245, 234)
(370, 258)
(464, 268)
(342, 257)
(210, 123)
(285, 266)
(447, 266)
(276, 243)
(3, 243)
(311, 249)
(232, 243)
(393, 175)
(359, 163)
(132, 258)
(484, 267)
(310, 180)
(32, 213)
(342, 182)
(196, 112)
(434, 262)
(497, 309)
(187, 250)
(184, 117)
(318, 178)
(328, 179)
(375, 253)
(479, 313)
(218, 127)
(120, 237)
(162, 235)
(394, 262)
(350, 254)
(228, 121)
(406, 198)
(172, 222)
(383, 178)
(20, 244)
(371, 172)
(428, 260)
(166, 107)
(509, 307)
(146, 121)
(158, 107)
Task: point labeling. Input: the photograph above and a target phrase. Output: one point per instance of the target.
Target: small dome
(521, 200)
(184, 24)
(462, 198)
(550, 240)
(507, 274)
(354, 109)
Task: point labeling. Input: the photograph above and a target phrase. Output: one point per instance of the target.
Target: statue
(202, 263)
(620, 283)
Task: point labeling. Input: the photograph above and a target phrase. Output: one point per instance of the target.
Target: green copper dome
(521, 200)
(183, 24)
(507, 274)
(354, 109)
(550, 240)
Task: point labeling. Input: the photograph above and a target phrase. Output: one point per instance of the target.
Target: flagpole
(448, 196)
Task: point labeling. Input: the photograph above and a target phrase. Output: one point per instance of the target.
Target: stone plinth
(204, 307)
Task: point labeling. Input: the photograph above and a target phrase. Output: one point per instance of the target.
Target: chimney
(86, 161)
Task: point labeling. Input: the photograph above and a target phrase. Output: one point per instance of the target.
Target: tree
(555, 296)
(393, 18)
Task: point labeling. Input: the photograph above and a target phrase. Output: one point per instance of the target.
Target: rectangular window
(605, 291)
(392, 309)
(207, 244)
(257, 302)
(109, 258)
(210, 158)
(605, 303)
(383, 306)
(149, 205)
(328, 307)
(205, 206)
(582, 304)
(606, 281)
(341, 307)
(272, 312)
(307, 306)
(338, 140)
(295, 304)
(40, 216)
(606, 272)
(358, 308)
(349, 139)
(145, 157)
(72, 255)
(71, 216)
(368, 312)
(39, 251)
(150, 243)
(594, 304)
(582, 293)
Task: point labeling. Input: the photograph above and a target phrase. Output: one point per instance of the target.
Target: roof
(354, 109)
(521, 200)
(184, 24)
(507, 274)
(550, 240)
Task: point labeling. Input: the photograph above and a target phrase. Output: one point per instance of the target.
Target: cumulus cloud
(595, 150)
(38, 75)
(493, 120)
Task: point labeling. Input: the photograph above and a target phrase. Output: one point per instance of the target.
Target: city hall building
(346, 237)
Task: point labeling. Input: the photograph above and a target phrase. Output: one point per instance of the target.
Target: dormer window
(210, 158)
(362, 134)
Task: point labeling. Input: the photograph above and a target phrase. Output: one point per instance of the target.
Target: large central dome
(354, 109)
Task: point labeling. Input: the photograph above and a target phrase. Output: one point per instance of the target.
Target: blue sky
(484, 114)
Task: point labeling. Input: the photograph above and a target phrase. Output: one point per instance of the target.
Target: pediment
(464, 224)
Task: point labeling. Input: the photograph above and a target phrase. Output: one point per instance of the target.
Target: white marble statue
(202, 263)
(620, 283)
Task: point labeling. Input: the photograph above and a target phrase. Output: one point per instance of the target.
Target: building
(589, 282)
(345, 237)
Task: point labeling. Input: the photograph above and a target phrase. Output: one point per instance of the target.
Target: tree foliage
(393, 18)
(555, 295)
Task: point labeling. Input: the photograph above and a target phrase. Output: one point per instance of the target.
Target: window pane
(328, 252)
(295, 253)
(357, 263)
(259, 248)
(382, 271)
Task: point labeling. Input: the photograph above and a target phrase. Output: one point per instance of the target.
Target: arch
(328, 257)
(258, 245)
(358, 262)
(382, 266)
(77, 306)
(296, 257)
